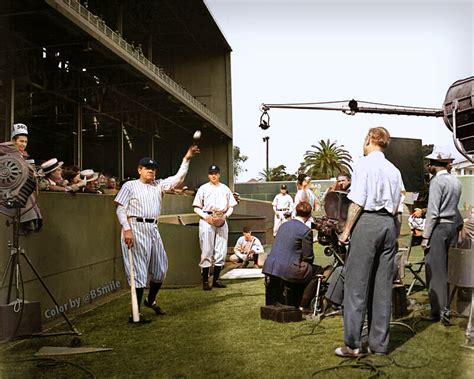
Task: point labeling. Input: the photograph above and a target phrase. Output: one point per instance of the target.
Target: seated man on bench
(289, 266)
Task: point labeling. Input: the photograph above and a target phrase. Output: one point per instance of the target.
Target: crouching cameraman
(289, 266)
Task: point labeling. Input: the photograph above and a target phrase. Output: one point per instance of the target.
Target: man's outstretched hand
(192, 151)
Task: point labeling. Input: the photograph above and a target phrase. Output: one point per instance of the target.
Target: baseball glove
(218, 222)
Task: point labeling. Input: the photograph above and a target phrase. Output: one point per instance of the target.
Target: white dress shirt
(376, 183)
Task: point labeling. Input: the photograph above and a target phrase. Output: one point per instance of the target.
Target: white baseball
(197, 135)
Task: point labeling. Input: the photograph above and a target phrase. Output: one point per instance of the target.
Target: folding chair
(414, 268)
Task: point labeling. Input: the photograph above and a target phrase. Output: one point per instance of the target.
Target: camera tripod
(13, 268)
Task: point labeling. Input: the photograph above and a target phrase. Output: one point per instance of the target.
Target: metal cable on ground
(357, 363)
(314, 325)
(365, 361)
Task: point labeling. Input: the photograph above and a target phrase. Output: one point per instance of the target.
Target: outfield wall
(267, 190)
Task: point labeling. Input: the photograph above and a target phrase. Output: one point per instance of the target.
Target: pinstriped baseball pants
(149, 255)
(213, 242)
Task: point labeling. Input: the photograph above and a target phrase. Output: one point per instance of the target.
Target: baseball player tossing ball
(214, 203)
(138, 207)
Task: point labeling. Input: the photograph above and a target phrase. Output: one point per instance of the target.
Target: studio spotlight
(264, 118)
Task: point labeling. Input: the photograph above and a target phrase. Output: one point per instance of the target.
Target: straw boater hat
(51, 165)
(89, 175)
(19, 129)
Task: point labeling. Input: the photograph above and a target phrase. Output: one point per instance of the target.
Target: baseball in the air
(197, 135)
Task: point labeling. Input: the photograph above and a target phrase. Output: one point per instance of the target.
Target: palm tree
(326, 160)
(276, 174)
(265, 175)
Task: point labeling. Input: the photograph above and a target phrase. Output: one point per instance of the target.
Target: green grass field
(219, 334)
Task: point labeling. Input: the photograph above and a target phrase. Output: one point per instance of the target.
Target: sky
(403, 52)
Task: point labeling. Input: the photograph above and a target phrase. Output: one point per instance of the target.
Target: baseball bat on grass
(135, 313)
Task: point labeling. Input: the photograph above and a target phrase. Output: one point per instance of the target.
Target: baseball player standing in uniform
(138, 208)
(214, 203)
(442, 220)
(282, 206)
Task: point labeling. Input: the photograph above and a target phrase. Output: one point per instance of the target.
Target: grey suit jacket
(291, 257)
(445, 192)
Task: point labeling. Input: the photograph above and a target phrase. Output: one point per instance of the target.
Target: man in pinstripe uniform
(214, 203)
(138, 207)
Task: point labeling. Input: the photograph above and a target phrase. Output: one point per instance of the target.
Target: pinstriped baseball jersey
(144, 200)
(213, 240)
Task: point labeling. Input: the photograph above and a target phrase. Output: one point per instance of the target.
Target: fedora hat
(89, 175)
(50, 165)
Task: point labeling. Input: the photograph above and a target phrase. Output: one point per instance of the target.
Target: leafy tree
(239, 160)
(326, 160)
(276, 174)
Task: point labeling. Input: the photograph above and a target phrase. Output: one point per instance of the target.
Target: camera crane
(457, 112)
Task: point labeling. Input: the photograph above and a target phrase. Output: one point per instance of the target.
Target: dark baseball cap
(147, 162)
(214, 168)
(283, 186)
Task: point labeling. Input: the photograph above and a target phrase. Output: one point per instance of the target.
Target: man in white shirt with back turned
(375, 195)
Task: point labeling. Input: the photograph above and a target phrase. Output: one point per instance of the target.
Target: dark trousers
(368, 281)
(437, 267)
(335, 292)
(280, 291)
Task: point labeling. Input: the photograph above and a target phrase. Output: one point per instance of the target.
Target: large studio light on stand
(17, 196)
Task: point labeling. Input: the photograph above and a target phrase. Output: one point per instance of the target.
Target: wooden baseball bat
(135, 313)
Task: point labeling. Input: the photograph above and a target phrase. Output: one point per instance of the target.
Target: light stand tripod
(15, 282)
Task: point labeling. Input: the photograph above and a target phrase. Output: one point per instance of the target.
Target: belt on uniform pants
(148, 220)
(283, 209)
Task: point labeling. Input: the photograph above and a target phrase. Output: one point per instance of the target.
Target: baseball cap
(214, 168)
(19, 129)
(283, 186)
(147, 162)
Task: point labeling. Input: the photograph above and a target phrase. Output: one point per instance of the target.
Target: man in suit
(290, 261)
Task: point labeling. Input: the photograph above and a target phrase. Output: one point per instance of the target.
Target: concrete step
(237, 222)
